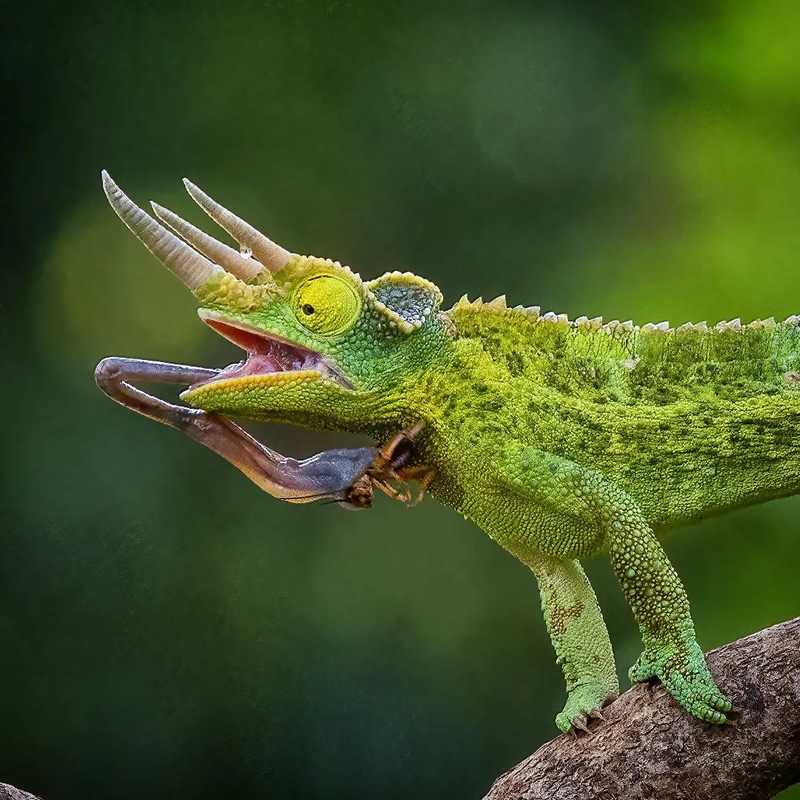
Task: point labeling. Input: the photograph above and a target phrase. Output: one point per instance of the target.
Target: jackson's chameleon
(559, 438)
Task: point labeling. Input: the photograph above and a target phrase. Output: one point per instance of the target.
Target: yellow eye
(326, 304)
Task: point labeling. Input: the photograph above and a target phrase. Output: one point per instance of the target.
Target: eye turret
(326, 304)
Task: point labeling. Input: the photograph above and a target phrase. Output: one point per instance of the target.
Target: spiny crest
(723, 325)
(533, 314)
(528, 314)
(499, 304)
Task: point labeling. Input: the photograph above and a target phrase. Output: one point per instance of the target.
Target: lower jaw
(315, 403)
(265, 381)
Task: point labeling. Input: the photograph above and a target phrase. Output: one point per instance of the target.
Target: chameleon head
(323, 348)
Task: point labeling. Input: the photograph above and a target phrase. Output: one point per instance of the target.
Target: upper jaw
(271, 360)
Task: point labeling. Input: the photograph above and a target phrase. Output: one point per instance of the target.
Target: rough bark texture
(649, 748)
(10, 793)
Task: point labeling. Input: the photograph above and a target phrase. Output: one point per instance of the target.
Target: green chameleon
(559, 438)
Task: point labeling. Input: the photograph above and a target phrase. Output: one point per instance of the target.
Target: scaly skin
(559, 439)
(562, 440)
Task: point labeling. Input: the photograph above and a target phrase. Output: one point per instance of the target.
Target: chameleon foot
(684, 673)
(583, 706)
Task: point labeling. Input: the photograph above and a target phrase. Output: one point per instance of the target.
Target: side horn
(191, 268)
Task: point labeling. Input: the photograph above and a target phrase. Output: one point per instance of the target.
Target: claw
(579, 722)
(596, 713)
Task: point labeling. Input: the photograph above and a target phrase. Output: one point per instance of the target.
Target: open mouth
(270, 359)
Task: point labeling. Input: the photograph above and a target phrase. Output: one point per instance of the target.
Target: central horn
(264, 250)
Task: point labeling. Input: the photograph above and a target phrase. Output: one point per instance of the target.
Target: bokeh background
(166, 629)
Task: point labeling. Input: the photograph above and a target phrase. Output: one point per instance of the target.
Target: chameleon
(561, 439)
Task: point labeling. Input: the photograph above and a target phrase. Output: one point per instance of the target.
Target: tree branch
(649, 747)
(8, 792)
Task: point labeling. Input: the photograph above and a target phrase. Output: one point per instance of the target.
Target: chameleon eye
(326, 304)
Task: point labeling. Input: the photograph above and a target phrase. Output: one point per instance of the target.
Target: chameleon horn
(271, 255)
(231, 260)
(191, 268)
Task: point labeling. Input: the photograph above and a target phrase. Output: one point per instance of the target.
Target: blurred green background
(166, 629)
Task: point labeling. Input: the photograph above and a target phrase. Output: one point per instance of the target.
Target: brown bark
(11, 793)
(647, 747)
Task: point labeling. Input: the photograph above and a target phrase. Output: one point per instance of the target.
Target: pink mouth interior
(266, 354)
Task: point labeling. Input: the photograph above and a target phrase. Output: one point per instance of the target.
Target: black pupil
(308, 309)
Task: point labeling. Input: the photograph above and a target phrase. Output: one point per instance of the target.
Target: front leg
(572, 512)
(579, 636)
(661, 607)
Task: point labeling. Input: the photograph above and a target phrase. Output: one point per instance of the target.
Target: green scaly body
(689, 422)
(564, 439)
(559, 439)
